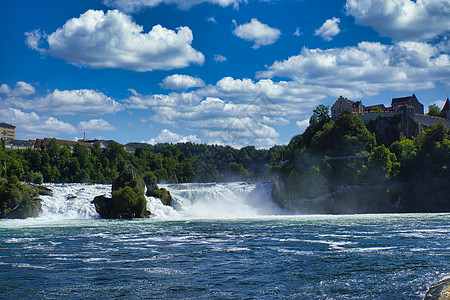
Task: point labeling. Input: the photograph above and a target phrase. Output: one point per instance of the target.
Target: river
(220, 241)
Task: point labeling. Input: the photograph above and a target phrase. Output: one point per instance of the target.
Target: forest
(344, 166)
(173, 163)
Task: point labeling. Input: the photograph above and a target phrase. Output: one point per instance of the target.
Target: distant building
(408, 109)
(19, 144)
(445, 112)
(342, 104)
(7, 131)
(412, 101)
(40, 143)
(88, 144)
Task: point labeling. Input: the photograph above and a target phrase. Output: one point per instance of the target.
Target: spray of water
(193, 200)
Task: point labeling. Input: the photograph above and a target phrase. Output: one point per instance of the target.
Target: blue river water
(385, 256)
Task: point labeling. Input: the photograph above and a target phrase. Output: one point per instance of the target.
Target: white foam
(72, 201)
(192, 200)
(224, 200)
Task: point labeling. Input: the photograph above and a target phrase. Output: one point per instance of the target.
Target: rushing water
(193, 252)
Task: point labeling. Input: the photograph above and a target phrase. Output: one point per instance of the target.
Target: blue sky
(229, 72)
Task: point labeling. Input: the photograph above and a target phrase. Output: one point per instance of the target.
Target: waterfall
(72, 201)
(190, 200)
(223, 200)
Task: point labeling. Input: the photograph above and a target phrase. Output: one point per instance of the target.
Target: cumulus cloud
(32, 125)
(70, 102)
(181, 82)
(114, 40)
(21, 89)
(329, 29)
(167, 136)
(96, 125)
(302, 125)
(257, 32)
(235, 112)
(136, 5)
(219, 58)
(421, 20)
(366, 69)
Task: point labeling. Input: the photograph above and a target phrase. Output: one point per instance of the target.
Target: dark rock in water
(44, 191)
(103, 206)
(71, 196)
(439, 291)
(154, 191)
(127, 201)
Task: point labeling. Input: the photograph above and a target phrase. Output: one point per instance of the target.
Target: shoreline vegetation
(334, 167)
(343, 166)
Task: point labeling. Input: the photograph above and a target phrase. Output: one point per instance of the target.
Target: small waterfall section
(223, 200)
(190, 200)
(72, 201)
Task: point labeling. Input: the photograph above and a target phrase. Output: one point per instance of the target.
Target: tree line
(173, 163)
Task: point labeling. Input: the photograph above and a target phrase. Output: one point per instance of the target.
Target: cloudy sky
(234, 72)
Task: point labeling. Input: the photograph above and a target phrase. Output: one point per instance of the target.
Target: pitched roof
(64, 142)
(446, 105)
(5, 125)
(352, 103)
(402, 100)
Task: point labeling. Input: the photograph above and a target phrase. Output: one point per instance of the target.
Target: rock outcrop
(154, 191)
(127, 201)
(439, 291)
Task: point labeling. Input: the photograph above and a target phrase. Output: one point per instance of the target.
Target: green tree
(433, 110)
(321, 114)
(382, 164)
(238, 169)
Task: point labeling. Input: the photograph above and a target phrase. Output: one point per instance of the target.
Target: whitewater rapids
(190, 200)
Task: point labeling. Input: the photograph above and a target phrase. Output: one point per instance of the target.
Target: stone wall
(367, 117)
(428, 120)
(421, 119)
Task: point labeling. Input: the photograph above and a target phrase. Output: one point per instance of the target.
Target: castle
(406, 108)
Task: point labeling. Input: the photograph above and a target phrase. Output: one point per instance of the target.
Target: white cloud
(181, 82)
(136, 5)
(114, 40)
(31, 125)
(329, 29)
(257, 32)
(211, 19)
(22, 89)
(297, 32)
(96, 125)
(366, 69)
(420, 20)
(302, 125)
(71, 102)
(247, 116)
(33, 39)
(167, 136)
(219, 58)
